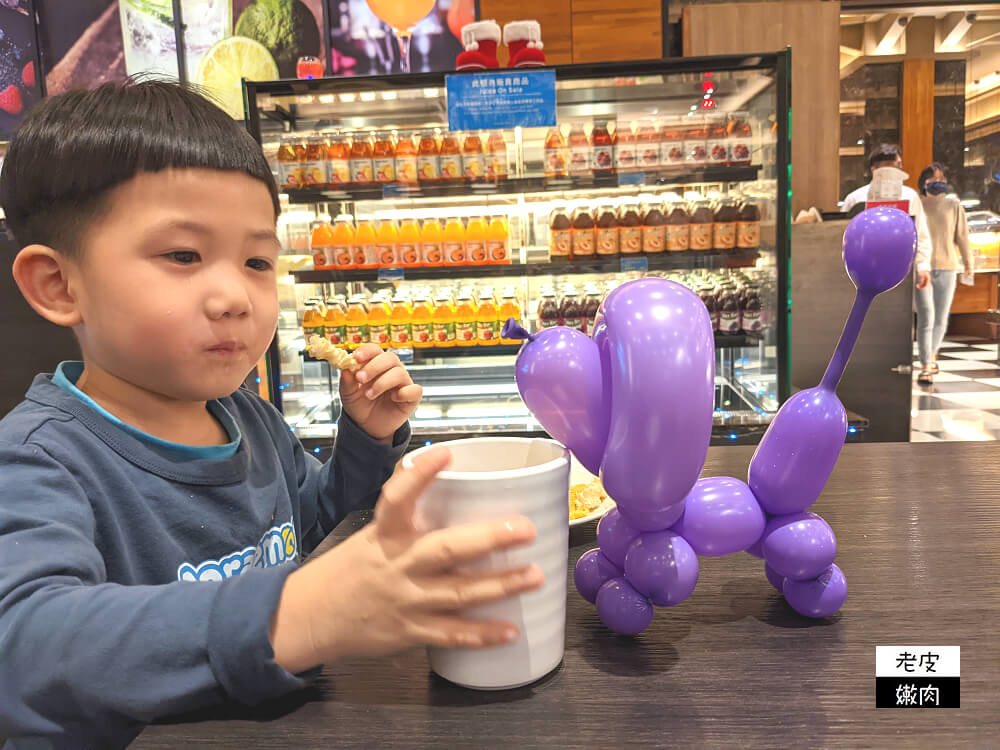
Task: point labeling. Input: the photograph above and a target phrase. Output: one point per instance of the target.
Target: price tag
(631, 178)
(394, 275)
(635, 264)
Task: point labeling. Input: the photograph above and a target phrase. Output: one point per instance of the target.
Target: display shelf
(661, 262)
(515, 185)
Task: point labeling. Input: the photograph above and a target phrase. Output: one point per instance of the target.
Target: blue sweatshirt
(136, 582)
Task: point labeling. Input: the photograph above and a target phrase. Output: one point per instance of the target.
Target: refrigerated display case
(673, 168)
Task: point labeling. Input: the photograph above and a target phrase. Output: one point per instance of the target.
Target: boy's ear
(42, 276)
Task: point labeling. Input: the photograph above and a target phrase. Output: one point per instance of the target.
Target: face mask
(936, 188)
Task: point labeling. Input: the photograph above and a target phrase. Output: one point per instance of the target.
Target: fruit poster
(19, 85)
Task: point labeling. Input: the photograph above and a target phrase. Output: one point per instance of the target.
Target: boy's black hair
(73, 149)
(882, 153)
(926, 175)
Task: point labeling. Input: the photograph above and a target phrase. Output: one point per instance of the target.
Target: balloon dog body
(635, 404)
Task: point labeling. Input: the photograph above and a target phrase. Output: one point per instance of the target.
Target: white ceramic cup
(492, 479)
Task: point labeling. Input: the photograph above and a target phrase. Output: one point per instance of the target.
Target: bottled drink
(571, 310)
(487, 320)
(678, 229)
(649, 146)
(357, 323)
(399, 323)
(607, 231)
(408, 249)
(454, 242)
(313, 323)
(672, 145)
(748, 226)
(707, 294)
(321, 245)
(740, 139)
(729, 311)
(556, 156)
(752, 322)
(421, 330)
(548, 309)
(451, 158)
(465, 321)
(428, 158)
(362, 166)
(560, 234)
(603, 149)
(702, 219)
(384, 158)
(406, 160)
(626, 157)
(475, 241)
(291, 154)
(385, 243)
(583, 233)
(365, 249)
(695, 154)
(473, 158)
(724, 226)
(443, 322)
(339, 157)
(717, 145)
(496, 161)
(580, 151)
(343, 242)
(498, 241)
(591, 304)
(431, 252)
(378, 322)
(654, 239)
(315, 165)
(335, 323)
(510, 307)
(630, 227)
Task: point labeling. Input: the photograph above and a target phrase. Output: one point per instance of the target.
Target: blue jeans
(933, 305)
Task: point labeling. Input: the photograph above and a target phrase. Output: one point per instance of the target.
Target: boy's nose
(227, 300)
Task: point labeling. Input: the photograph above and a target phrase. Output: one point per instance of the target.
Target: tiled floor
(964, 402)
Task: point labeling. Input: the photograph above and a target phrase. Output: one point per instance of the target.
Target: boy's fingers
(394, 510)
(382, 363)
(454, 632)
(454, 592)
(408, 394)
(444, 549)
(366, 353)
(394, 378)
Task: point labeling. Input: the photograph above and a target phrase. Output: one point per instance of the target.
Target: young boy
(152, 513)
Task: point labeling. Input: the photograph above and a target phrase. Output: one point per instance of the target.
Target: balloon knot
(513, 330)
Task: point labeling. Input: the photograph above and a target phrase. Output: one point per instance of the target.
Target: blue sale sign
(502, 99)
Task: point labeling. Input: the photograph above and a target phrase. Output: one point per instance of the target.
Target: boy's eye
(260, 264)
(184, 257)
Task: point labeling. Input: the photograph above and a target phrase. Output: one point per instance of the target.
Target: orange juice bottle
(475, 241)
(487, 320)
(454, 242)
(335, 322)
(556, 154)
(312, 321)
(338, 153)
(385, 243)
(321, 245)
(362, 166)
(378, 322)
(315, 167)
(408, 249)
(291, 153)
(400, 333)
(431, 252)
(510, 307)
(496, 160)
(443, 321)
(473, 158)
(498, 241)
(465, 320)
(406, 160)
(357, 323)
(421, 330)
(384, 158)
(342, 239)
(451, 158)
(365, 251)
(428, 158)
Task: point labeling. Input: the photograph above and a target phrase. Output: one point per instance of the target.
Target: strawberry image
(28, 74)
(11, 101)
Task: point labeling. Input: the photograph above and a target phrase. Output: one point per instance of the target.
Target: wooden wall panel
(812, 28)
(555, 16)
(917, 117)
(626, 30)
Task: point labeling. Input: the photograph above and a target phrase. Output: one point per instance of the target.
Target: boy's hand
(390, 586)
(380, 396)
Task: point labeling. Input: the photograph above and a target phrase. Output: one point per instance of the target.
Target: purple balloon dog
(634, 404)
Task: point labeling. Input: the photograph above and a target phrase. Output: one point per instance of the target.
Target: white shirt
(923, 259)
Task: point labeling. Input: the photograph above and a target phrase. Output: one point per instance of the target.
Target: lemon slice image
(227, 63)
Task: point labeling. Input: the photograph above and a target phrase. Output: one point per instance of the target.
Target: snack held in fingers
(320, 348)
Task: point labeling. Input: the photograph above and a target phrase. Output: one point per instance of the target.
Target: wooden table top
(918, 527)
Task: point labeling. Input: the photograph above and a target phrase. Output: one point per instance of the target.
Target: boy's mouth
(227, 348)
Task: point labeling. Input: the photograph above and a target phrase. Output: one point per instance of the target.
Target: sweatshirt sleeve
(924, 246)
(85, 662)
(351, 480)
(962, 238)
